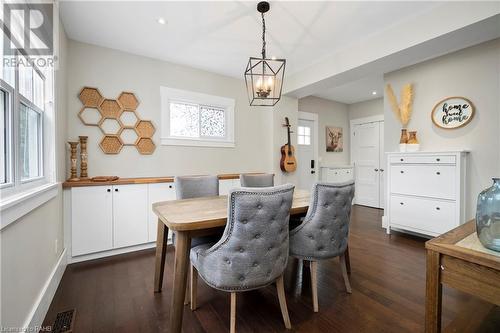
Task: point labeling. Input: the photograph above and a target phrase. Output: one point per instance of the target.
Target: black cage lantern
(264, 77)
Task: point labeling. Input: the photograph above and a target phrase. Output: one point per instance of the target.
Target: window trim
(9, 169)
(169, 95)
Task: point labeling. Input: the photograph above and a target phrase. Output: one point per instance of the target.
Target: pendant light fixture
(264, 77)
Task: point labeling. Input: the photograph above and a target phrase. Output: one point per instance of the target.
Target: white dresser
(337, 174)
(425, 191)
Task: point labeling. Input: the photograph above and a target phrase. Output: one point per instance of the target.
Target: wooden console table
(458, 260)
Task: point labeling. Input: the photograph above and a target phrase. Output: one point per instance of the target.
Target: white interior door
(366, 149)
(382, 166)
(306, 147)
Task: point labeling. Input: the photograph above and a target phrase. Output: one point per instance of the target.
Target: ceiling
(220, 36)
(356, 91)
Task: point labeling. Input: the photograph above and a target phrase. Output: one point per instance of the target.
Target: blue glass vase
(488, 216)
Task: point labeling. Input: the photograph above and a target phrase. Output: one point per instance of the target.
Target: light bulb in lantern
(258, 84)
(270, 82)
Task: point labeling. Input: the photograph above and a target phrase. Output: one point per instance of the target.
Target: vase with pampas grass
(402, 111)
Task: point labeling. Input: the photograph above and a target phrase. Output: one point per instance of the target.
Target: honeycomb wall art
(118, 121)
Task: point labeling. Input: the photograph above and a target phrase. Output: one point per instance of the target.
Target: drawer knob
(437, 208)
(169, 186)
(116, 190)
(376, 170)
(402, 171)
(402, 160)
(109, 190)
(438, 173)
(382, 170)
(401, 203)
(438, 159)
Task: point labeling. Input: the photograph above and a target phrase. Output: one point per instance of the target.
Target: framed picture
(334, 139)
(452, 112)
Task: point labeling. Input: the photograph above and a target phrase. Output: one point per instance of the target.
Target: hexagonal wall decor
(128, 101)
(111, 144)
(118, 120)
(110, 126)
(90, 116)
(145, 129)
(110, 108)
(128, 136)
(145, 146)
(129, 119)
(90, 97)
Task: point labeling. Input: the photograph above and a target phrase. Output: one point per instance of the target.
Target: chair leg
(186, 297)
(194, 287)
(344, 273)
(233, 313)
(280, 286)
(314, 284)
(347, 260)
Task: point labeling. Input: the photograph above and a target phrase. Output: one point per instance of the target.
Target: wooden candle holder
(83, 157)
(73, 158)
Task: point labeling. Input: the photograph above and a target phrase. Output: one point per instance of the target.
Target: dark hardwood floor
(388, 282)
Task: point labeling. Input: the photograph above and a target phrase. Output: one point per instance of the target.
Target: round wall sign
(452, 112)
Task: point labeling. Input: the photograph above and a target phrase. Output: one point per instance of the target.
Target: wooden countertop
(139, 180)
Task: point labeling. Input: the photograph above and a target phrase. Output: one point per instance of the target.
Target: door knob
(376, 169)
(313, 172)
(381, 170)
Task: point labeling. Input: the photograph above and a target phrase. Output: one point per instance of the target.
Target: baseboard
(35, 319)
(114, 252)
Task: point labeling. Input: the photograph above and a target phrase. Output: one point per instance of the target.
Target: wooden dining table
(190, 218)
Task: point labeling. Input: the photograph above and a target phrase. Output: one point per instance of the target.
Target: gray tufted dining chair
(324, 231)
(257, 180)
(253, 251)
(188, 187)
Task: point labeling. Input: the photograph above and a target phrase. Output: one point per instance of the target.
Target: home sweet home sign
(452, 112)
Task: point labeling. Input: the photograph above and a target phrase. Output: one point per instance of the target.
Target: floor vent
(64, 322)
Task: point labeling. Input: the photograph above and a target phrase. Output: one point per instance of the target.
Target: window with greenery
(22, 107)
(196, 119)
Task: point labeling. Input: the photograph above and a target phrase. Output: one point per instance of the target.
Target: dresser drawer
(436, 181)
(425, 215)
(422, 159)
(339, 175)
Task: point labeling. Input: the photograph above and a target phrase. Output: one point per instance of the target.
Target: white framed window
(196, 119)
(304, 135)
(27, 137)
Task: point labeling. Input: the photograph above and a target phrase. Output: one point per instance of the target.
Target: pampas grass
(403, 110)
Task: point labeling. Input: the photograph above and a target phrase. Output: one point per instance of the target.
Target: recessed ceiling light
(374, 92)
(161, 20)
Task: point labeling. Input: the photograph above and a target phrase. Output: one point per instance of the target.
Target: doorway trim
(314, 117)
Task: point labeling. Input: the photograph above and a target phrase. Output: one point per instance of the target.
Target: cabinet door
(227, 184)
(157, 192)
(91, 219)
(130, 215)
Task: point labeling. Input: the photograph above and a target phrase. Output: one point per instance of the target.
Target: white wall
(113, 72)
(330, 113)
(364, 109)
(28, 251)
(473, 73)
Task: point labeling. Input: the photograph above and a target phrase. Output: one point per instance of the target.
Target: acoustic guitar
(288, 162)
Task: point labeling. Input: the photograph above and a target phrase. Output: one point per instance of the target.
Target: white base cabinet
(337, 174)
(426, 191)
(91, 219)
(157, 192)
(105, 220)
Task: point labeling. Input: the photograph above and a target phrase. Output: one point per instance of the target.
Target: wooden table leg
(433, 293)
(161, 251)
(347, 260)
(181, 265)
